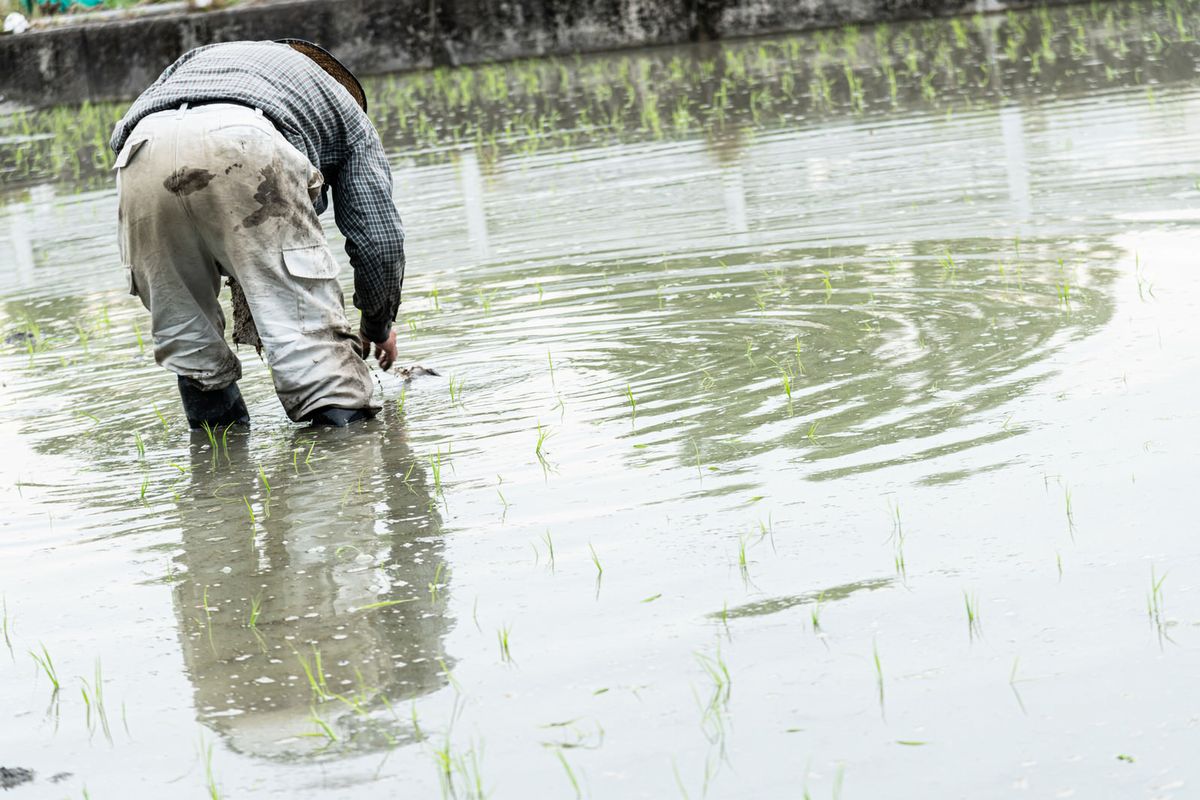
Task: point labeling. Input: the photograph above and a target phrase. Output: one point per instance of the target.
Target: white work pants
(217, 190)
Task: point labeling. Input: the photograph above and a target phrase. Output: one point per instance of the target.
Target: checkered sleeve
(366, 215)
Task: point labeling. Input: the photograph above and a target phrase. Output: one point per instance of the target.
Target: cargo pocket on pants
(313, 274)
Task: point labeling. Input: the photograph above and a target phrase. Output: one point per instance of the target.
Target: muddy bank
(115, 59)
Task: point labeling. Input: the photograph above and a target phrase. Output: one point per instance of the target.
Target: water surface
(816, 414)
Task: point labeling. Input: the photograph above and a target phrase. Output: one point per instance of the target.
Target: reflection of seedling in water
(7, 628)
(550, 548)
(323, 729)
(898, 541)
(570, 772)
(95, 701)
(1145, 287)
(1154, 604)
(878, 672)
(435, 585)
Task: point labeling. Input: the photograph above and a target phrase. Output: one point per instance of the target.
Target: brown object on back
(326, 61)
(244, 329)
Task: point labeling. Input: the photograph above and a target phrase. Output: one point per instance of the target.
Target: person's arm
(366, 215)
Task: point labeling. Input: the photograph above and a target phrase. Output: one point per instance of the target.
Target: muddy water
(815, 414)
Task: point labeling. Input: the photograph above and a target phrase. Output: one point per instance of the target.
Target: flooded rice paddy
(816, 418)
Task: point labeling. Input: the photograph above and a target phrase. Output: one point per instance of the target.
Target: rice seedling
(315, 674)
(210, 780)
(549, 548)
(435, 469)
(827, 284)
(878, 673)
(1070, 511)
(256, 603)
(401, 399)
(743, 564)
(456, 390)
(971, 602)
(812, 431)
(47, 664)
(632, 402)
(596, 562)
(435, 585)
(815, 612)
(715, 708)
(948, 264)
(212, 438)
(502, 638)
(550, 361)
(539, 449)
(139, 446)
(163, 420)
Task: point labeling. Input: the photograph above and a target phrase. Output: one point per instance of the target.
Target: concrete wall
(115, 60)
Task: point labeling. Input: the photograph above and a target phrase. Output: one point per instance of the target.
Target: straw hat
(327, 62)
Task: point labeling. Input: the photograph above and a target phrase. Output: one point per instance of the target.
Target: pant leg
(257, 219)
(170, 268)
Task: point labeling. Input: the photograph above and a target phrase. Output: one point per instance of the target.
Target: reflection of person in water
(341, 580)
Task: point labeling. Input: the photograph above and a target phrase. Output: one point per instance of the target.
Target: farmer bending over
(223, 166)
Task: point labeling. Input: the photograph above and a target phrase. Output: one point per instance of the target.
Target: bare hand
(385, 351)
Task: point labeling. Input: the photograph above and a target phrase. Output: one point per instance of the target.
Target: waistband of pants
(202, 106)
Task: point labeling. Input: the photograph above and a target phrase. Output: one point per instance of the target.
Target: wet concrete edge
(115, 60)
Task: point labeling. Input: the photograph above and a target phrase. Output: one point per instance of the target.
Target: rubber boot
(216, 407)
(339, 417)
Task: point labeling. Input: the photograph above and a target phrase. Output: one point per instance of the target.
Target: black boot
(216, 407)
(339, 417)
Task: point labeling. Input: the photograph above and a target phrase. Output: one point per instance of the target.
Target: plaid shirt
(321, 120)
